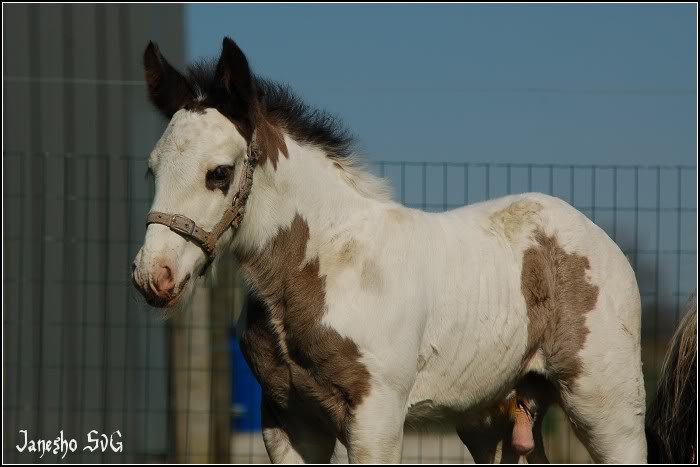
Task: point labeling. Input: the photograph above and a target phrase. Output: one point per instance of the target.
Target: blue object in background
(246, 395)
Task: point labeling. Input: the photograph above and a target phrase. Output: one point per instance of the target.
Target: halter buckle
(182, 225)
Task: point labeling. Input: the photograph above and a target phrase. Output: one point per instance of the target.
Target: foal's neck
(304, 185)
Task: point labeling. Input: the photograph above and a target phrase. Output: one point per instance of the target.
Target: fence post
(191, 350)
(221, 311)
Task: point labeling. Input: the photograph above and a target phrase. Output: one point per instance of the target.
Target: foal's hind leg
(605, 402)
(607, 414)
(584, 319)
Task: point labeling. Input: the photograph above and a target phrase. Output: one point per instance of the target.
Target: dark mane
(283, 108)
(303, 122)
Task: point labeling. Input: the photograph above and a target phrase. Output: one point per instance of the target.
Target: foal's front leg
(375, 435)
(291, 438)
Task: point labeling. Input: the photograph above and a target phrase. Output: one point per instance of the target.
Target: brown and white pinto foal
(377, 315)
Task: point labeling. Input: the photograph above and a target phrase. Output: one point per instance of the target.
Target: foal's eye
(220, 177)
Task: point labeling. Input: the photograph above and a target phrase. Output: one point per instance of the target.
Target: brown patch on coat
(558, 296)
(396, 215)
(270, 141)
(259, 346)
(347, 252)
(290, 351)
(515, 217)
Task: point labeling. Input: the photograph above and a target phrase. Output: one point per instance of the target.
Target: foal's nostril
(163, 281)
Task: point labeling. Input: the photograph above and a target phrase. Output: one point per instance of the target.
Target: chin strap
(231, 218)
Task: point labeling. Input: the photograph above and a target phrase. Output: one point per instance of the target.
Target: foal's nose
(163, 282)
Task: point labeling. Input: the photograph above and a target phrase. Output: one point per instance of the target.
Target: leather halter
(187, 228)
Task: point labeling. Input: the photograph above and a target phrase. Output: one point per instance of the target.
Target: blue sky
(481, 83)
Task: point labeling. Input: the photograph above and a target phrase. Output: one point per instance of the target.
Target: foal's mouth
(167, 301)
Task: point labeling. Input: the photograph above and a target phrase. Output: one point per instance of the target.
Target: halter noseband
(187, 228)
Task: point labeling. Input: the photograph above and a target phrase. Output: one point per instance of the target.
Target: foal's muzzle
(159, 290)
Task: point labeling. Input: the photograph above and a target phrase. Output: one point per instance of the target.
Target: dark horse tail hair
(671, 425)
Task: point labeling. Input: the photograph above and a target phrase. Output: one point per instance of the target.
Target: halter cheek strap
(187, 228)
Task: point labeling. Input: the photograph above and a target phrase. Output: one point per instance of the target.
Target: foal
(379, 315)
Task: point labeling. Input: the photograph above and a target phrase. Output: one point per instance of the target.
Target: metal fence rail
(83, 352)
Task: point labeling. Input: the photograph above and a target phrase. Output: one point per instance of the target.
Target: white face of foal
(193, 163)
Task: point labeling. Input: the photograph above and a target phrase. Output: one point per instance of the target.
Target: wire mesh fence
(85, 357)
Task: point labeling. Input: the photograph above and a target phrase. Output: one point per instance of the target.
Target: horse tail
(671, 425)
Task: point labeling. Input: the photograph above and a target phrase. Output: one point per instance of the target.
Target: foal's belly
(469, 364)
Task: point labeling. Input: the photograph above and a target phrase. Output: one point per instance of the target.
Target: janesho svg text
(62, 445)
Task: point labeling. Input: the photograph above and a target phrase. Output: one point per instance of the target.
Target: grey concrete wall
(81, 352)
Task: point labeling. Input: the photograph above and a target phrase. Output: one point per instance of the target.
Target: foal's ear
(237, 82)
(168, 89)
(234, 73)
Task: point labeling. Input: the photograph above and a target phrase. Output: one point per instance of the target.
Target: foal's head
(196, 165)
